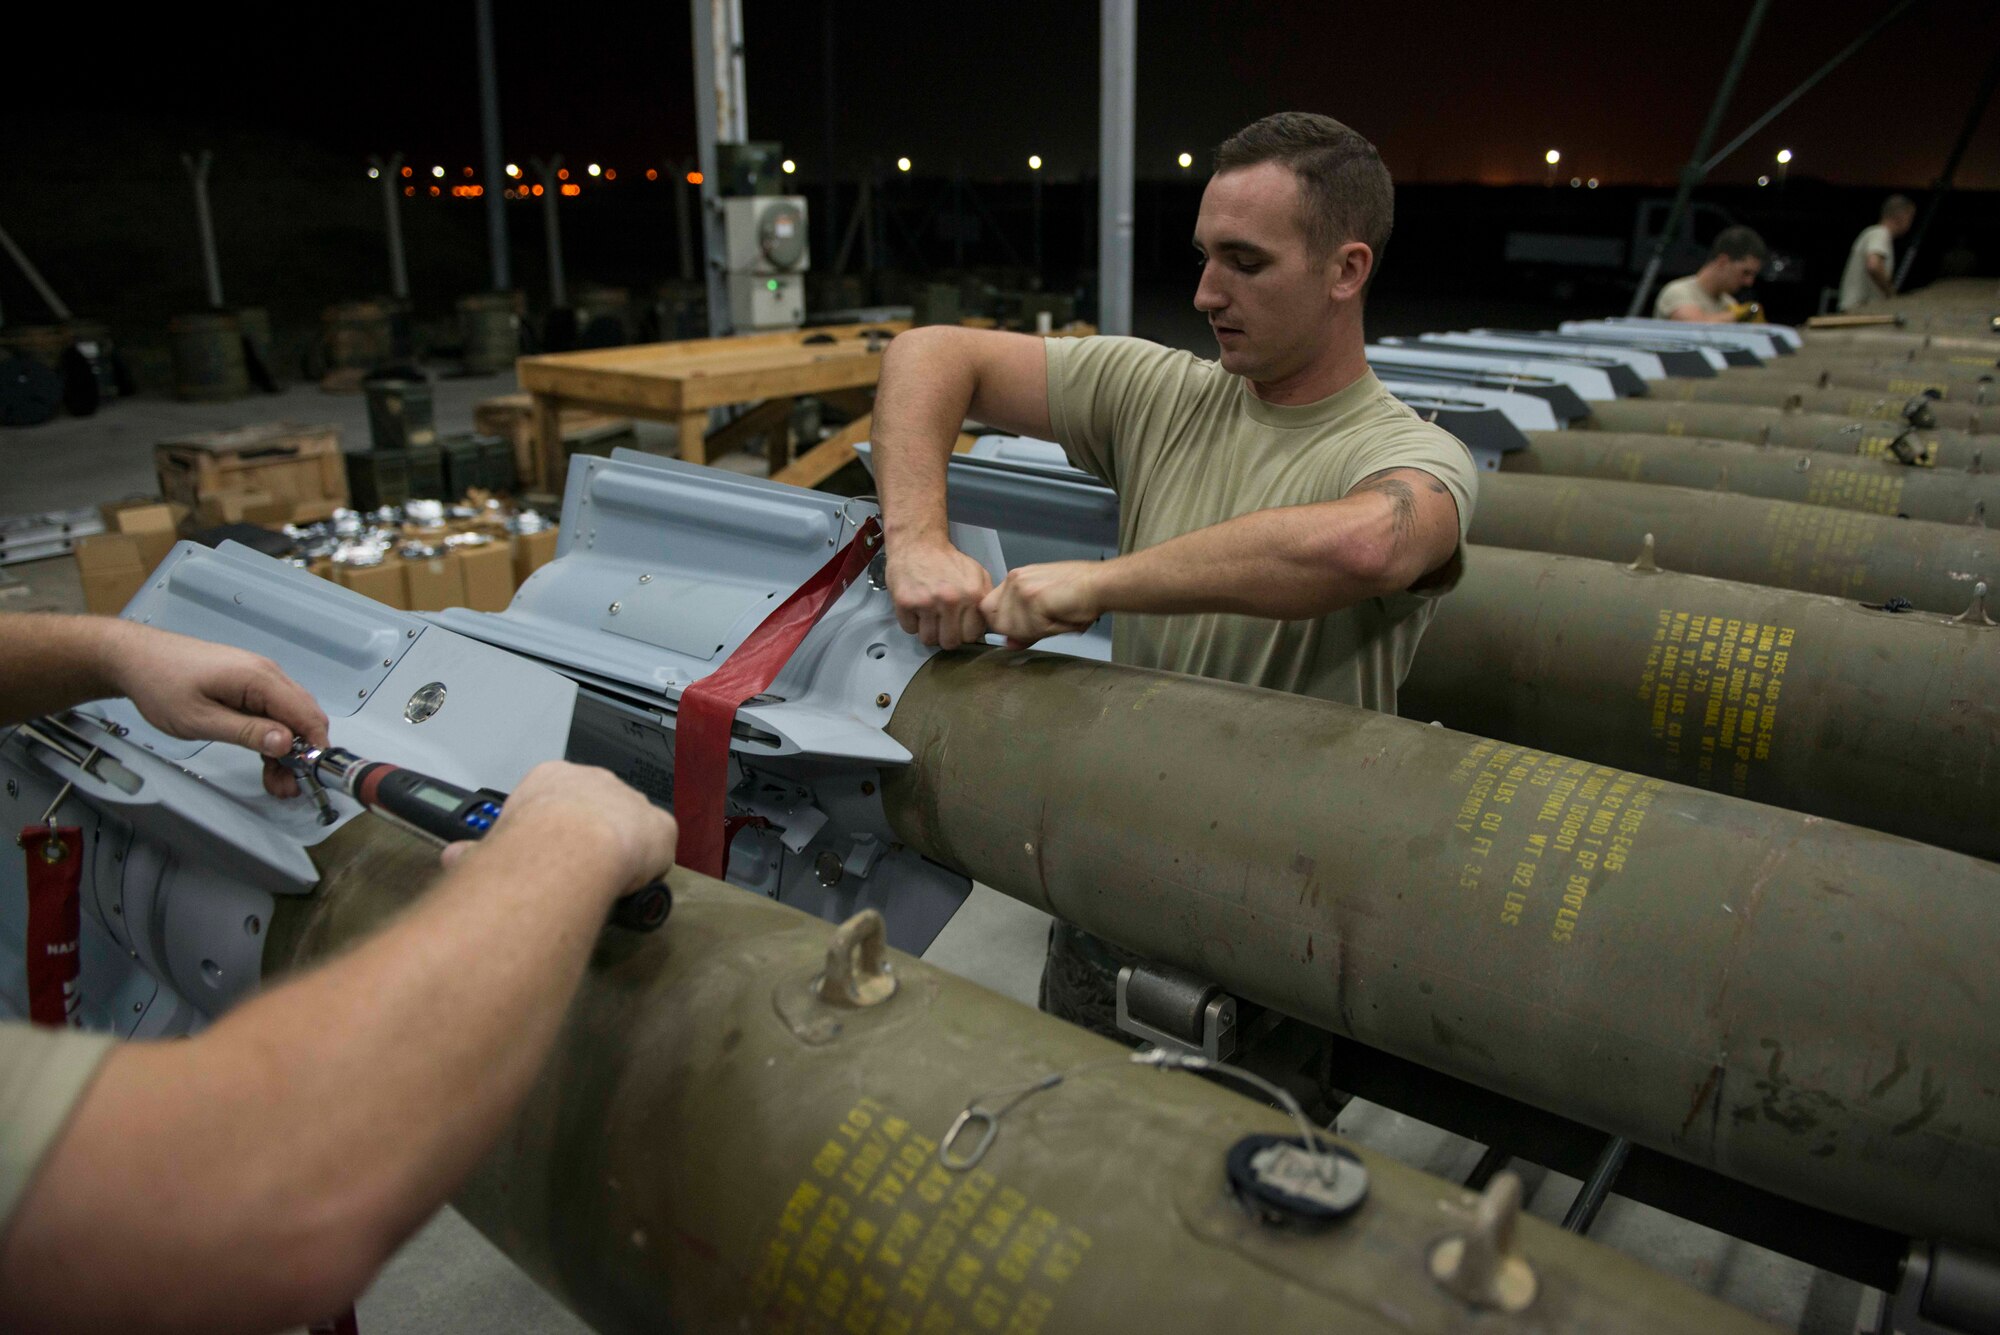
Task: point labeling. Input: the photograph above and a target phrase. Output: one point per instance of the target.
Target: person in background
(1707, 296)
(1871, 261)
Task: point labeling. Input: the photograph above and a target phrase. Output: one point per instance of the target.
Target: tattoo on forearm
(1402, 498)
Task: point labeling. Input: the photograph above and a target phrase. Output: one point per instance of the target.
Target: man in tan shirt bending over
(1708, 295)
(1284, 521)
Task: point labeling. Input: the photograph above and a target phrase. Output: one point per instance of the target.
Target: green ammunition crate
(462, 470)
(496, 457)
(376, 478)
(426, 474)
(400, 414)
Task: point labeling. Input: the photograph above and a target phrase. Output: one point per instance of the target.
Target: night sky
(1449, 92)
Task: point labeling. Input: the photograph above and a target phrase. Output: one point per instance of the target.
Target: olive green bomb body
(1799, 1004)
(1952, 381)
(1809, 477)
(1783, 544)
(712, 1146)
(1865, 436)
(1798, 700)
(1872, 406)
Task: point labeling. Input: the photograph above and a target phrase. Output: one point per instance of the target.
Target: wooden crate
(292, 463)
(512, 418)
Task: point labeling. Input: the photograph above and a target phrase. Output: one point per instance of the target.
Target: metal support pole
(958, 219)
(392, 213)
(552, 191)
(197, 169)
(1873, 31)
(1694, 171)
(718, 116)
(1118, 82)
(1583, 1210)
(868, 234)
(489, 129)
(1488, 1167)
(1943, 188)
(684, 191)
(34, 277)
(1036, 190)
(829, 228)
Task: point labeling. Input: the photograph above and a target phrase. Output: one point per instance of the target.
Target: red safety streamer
(708, 707)
(55, 920)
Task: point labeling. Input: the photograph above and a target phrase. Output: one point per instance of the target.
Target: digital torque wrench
(438, 810)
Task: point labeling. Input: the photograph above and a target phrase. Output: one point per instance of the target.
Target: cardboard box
(383, 583)
(488, 571)
(154, 525)
(433, 583)
(532, 551)
(112, 570)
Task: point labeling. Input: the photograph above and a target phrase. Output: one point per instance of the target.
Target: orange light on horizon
(572, 189)
(694, 178)
(409, 190)
(562, 173)
(434, 192)
(652, 174)
(536, 191)
(406, 171)
(610, 175)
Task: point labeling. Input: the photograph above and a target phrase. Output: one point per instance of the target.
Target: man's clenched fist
(1038, 601)
(937, 590)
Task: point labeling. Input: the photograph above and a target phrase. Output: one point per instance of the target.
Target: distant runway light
(1552, 157)
(1034, 162)
(694, 178)
(513, 171)
(1186, 160)
(652, 174)
(594, 169)
(789, 166)
(1763, 180)
(437, 171)
(374, 173)
(902, 164)
(1576, 183)
(1592, 183)
(1784, 156)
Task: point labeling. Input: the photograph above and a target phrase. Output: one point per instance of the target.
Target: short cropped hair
(1896, 205)
(1343, 185)
(1737, 243)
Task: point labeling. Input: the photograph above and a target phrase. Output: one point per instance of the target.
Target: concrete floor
(448, 1280)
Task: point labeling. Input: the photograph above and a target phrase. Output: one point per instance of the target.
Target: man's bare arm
(186, 687)
(1693, 314)
(255, 1177)
(1878, 273)
(1387, 534)
(933, 378)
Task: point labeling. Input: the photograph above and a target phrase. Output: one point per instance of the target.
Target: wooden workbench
(681, 382)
